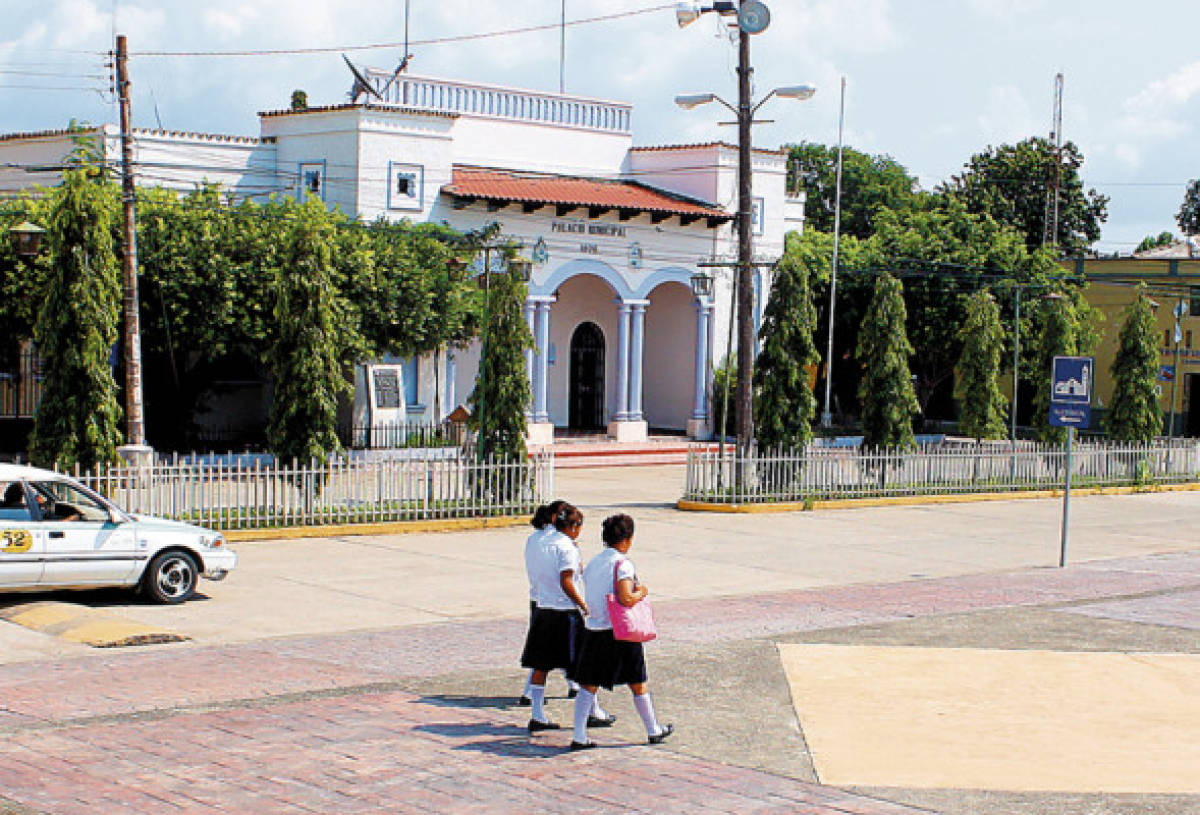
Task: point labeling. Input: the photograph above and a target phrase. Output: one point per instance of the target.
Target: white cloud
(1006, 116)
(1157, 114)
(1015, 10)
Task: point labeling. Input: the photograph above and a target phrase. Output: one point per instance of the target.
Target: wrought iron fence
(403, 435)
(823, 473)
(21, 390)
(248, 492)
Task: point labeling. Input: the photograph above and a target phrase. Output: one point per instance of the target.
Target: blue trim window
(406, 186)
(758, 216)
(312, 180)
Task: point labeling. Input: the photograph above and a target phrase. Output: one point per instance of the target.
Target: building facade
(616, 232)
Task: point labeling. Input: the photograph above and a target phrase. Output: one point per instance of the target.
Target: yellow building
(1172, 280)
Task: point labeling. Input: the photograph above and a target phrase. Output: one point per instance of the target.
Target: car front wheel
(171, 577)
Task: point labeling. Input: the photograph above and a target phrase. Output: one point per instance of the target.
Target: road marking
(84, 625)
(998, 720)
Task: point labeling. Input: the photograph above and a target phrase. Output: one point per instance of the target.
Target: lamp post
(27, 239)
(752, 17)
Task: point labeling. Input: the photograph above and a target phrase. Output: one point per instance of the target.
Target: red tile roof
(538, 188)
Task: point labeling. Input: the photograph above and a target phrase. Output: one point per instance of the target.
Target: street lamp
(753, 17)
(27, 238)
(702, 284)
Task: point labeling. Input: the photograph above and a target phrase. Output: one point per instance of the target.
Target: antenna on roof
(407, 56)
(361, 85)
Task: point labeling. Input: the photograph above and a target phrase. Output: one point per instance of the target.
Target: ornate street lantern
(27, 238)
(702, 284)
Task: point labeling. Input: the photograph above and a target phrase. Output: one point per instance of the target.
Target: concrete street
(803, 658)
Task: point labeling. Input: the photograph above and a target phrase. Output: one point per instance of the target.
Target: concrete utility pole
(135, 428)
(745, 225)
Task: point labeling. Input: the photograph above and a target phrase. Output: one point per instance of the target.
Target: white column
(451, 376)
(700, 400)
(635, 361)
(540, 414)
(530, 372)
(623, 315)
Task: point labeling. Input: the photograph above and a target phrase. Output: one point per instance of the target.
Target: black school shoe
(667, 730)
(582, 745)
(596, 721)
(572, 693)
(524, 701)
(535, 726)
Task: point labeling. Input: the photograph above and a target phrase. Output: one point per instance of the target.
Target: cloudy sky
(929, 81)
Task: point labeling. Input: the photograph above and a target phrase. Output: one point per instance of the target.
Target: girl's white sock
(597, 711)
(537, 694)
(645, 709)
(583, 707)
(528, 685)
(572, 685)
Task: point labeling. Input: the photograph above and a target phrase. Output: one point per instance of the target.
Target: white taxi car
(55, 533)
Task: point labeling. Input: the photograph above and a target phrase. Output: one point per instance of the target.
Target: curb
(85, 626)
(919, 500)
(381, 528)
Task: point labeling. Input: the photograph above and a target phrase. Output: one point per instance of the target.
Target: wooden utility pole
(745, 270)
(135, 428)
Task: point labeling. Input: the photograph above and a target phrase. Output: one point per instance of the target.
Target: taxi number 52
(15, 541)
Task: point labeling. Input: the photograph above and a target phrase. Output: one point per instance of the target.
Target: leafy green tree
(889, 404)
(20, 280)
(983, 406)
(869, 184)
(724, 390)
(948, 252)
(813, 251)
(1012, 182)
(311, 341)
(1155, 241)
(501, 394)
(784, 402)
(1188, 217)
(1134, 414)
(78, 419)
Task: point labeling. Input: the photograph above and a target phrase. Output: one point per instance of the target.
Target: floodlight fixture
(687, 13)
(800, 92)
(688, 101)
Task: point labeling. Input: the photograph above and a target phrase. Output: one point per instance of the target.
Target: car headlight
(212, 541)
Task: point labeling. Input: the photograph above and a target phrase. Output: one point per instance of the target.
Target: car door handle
(58, 534)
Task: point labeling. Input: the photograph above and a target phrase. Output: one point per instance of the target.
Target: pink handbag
(630, 624)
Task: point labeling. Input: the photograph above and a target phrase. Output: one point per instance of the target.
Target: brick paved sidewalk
(323, 724)
(386, 752)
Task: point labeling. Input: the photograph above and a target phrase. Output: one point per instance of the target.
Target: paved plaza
(893, 660)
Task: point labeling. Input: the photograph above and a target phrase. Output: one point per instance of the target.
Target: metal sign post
(1070, 407)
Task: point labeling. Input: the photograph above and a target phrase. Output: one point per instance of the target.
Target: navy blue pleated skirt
(553, 640)
(606, 661)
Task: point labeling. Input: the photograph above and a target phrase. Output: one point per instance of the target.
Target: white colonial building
(616, 232)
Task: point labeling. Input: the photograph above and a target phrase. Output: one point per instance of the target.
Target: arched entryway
(586, 406)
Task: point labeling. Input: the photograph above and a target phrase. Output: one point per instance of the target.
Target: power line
(395, 45)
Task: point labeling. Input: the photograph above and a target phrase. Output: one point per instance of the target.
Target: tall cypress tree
(1135, 414)
(784, 403)
(502, 392)
(308, 343)
(78, 419)
(1057, 337)
(983, 406)
(885, 392)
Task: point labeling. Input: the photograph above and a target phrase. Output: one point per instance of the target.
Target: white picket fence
(823, 473)
(238, 494)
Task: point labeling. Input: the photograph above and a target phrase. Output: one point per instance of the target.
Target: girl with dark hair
(543, 524)
(555, 570)
(603, 660)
